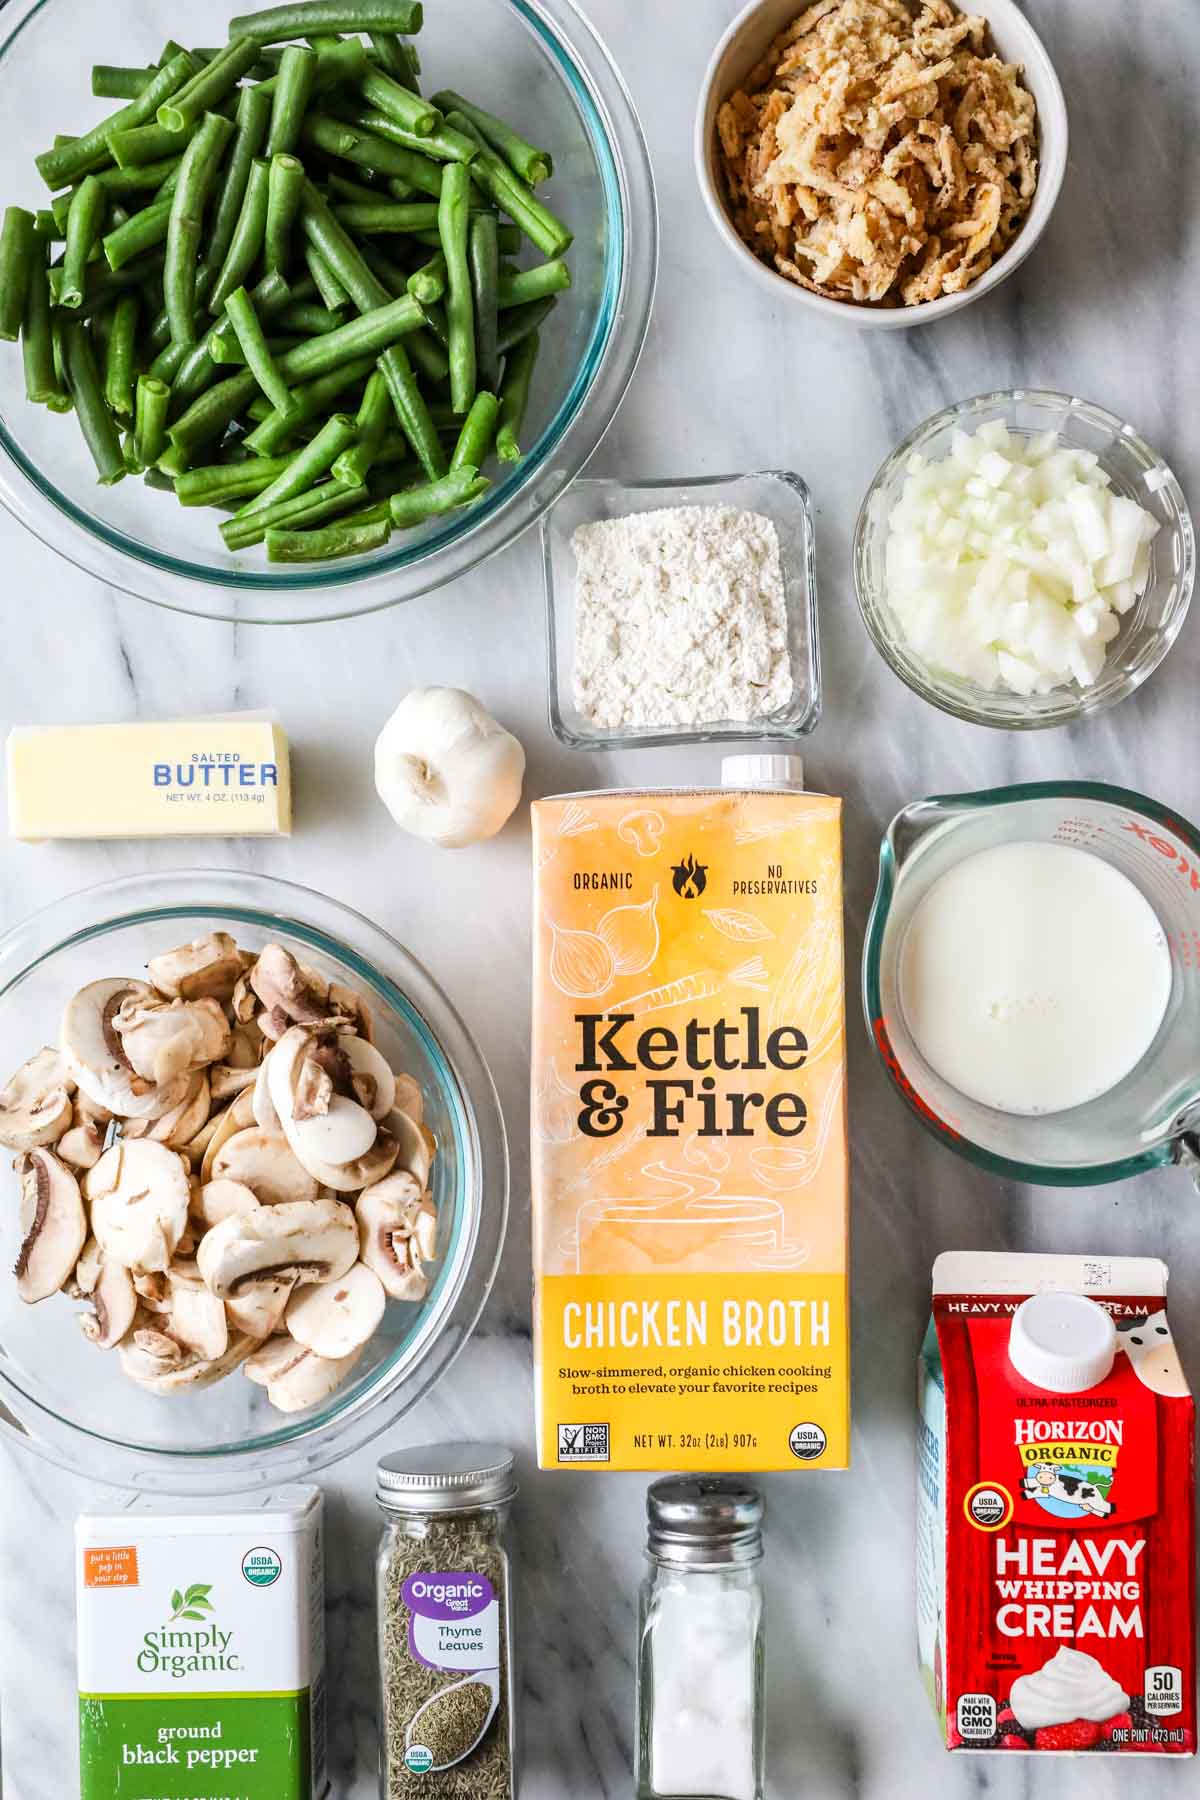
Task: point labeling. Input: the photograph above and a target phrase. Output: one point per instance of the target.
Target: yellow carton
(689, 1141)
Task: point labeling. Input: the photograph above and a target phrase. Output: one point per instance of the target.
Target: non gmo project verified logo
(582, 1443)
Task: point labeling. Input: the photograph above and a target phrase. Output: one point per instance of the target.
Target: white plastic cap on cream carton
(763, 771)
(228, 775)
(1062, 1343)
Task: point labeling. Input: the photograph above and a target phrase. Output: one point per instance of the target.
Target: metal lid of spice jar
(445, 1478)
(700, 1521)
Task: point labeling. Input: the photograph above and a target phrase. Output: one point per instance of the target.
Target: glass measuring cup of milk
(1151, 1116)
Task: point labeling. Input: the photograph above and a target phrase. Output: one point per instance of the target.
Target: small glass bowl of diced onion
(1024, 559)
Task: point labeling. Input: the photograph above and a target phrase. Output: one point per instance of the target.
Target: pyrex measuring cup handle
(1187, 1154)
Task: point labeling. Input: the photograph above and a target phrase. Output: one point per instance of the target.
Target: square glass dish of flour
(682, 611)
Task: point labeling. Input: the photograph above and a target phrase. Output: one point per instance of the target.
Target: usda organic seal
(418, 1760)
(261, 1567)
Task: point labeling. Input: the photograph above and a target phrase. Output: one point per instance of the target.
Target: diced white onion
(1011, 561)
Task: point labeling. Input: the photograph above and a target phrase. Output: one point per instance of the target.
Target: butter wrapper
(225, 776)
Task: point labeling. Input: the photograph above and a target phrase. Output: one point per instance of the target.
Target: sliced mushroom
(96, 1058)
(246, 1047)
(364, 1171)
(36, 1106)
(139, 1193)
(151, 1365)
(285, 988)
(83, 1145)
(227, 1083)
(316, 1240)
(208, 969)
(415, 1146)
(146, 1351)
(259, 1309)
(371, 1079)
(238, 1117)
(87, 1271)
(178, 1127)
(53, 1224)
(217, 1200)
(264, 1109)
(339, 1316)
(196, 1147)
(197, 1318)
(409, 1098)
(114, 1305)
(295, 1377)
(154, 1290)
(265, 1164)
(397, 1234)
(165, 1040)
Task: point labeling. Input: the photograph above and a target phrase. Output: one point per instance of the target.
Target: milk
(1034, 977)
(201, 1649)
(1055, 1537)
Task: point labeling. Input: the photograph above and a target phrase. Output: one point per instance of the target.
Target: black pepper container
(447, 1718)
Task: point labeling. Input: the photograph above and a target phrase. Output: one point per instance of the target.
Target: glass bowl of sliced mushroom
(251, 1143)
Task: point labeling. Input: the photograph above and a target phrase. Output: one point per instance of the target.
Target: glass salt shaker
(700, 1655)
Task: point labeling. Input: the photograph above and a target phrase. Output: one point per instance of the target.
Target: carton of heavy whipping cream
(689, 1145)
(201, 1650)
(1056, 1554)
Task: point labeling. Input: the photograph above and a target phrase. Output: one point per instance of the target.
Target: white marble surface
(1106, 309)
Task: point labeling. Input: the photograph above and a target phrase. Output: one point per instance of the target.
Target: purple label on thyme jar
(456, 1594)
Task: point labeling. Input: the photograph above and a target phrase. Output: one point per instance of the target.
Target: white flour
(680, 618)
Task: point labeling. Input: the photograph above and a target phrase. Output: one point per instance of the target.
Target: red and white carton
(1056, 1537)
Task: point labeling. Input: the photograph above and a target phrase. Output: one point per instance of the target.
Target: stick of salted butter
(224, 776)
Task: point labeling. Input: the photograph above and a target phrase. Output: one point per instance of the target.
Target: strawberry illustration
(1080, 1734)
(1121, 1721)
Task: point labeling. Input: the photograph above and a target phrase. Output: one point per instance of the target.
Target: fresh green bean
(387, 217)
(521, 320)
(396, 58)
(221, 483)
(306, 469)
(413, 167)
(293, 92)
(484, 255)
(356, 193)
(326, 545)
(332, 293)
(306, 18)
(444, 144)
(428, 283)
(143, 144)
(136, 178)
(42, 384)
(240, 311)
(111, 81)
(169, 361)
(47, 226)
(67, 162)
(413, 411)
(340, 252)
(252, 122)
(385, 268)
(312, 402)
(514, 397)
(285, 190)
(524, 159)
(307, 320)
(510, 239)
(209, 86)
(152, 403)
(412, 506)
(201, 162)
(310, 508)
(248, 236)
(524, 285)
(270, 297)
(195, 372)
(208, 418)
(83, 227)
(454, 226)
(95, 420)
(174, 461)
(19, 254)
(354, 464)
(341, 63)
(435, 319)
(373, 332)
(371, 154)
(144, 231)
(427, 356)
(105, 285)
(497, 181)
(478, 433)
(400, 103)
(119, 355)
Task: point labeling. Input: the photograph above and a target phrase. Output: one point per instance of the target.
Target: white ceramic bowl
(744, 45)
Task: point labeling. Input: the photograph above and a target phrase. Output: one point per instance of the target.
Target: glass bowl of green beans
(309, 310)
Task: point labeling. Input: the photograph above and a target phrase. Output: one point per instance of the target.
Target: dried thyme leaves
(466, 1543)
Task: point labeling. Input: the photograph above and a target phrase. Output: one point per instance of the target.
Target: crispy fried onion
(878, 154)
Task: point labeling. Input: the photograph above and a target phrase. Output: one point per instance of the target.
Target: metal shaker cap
(702, 1521)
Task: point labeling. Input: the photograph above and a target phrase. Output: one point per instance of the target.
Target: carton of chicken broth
(689, 1145)
(1056, 1558)
(201, 1650)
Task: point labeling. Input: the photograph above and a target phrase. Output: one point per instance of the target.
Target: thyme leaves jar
(447, 1728)
(700, 1648)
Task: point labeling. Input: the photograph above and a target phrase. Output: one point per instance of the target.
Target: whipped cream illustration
(1072, 1685)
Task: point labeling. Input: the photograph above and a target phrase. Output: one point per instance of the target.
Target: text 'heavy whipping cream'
(1055, 1562)
(1034, 977)
(689, 1149)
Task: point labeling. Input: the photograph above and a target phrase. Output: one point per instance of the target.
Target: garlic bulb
(445, 770)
